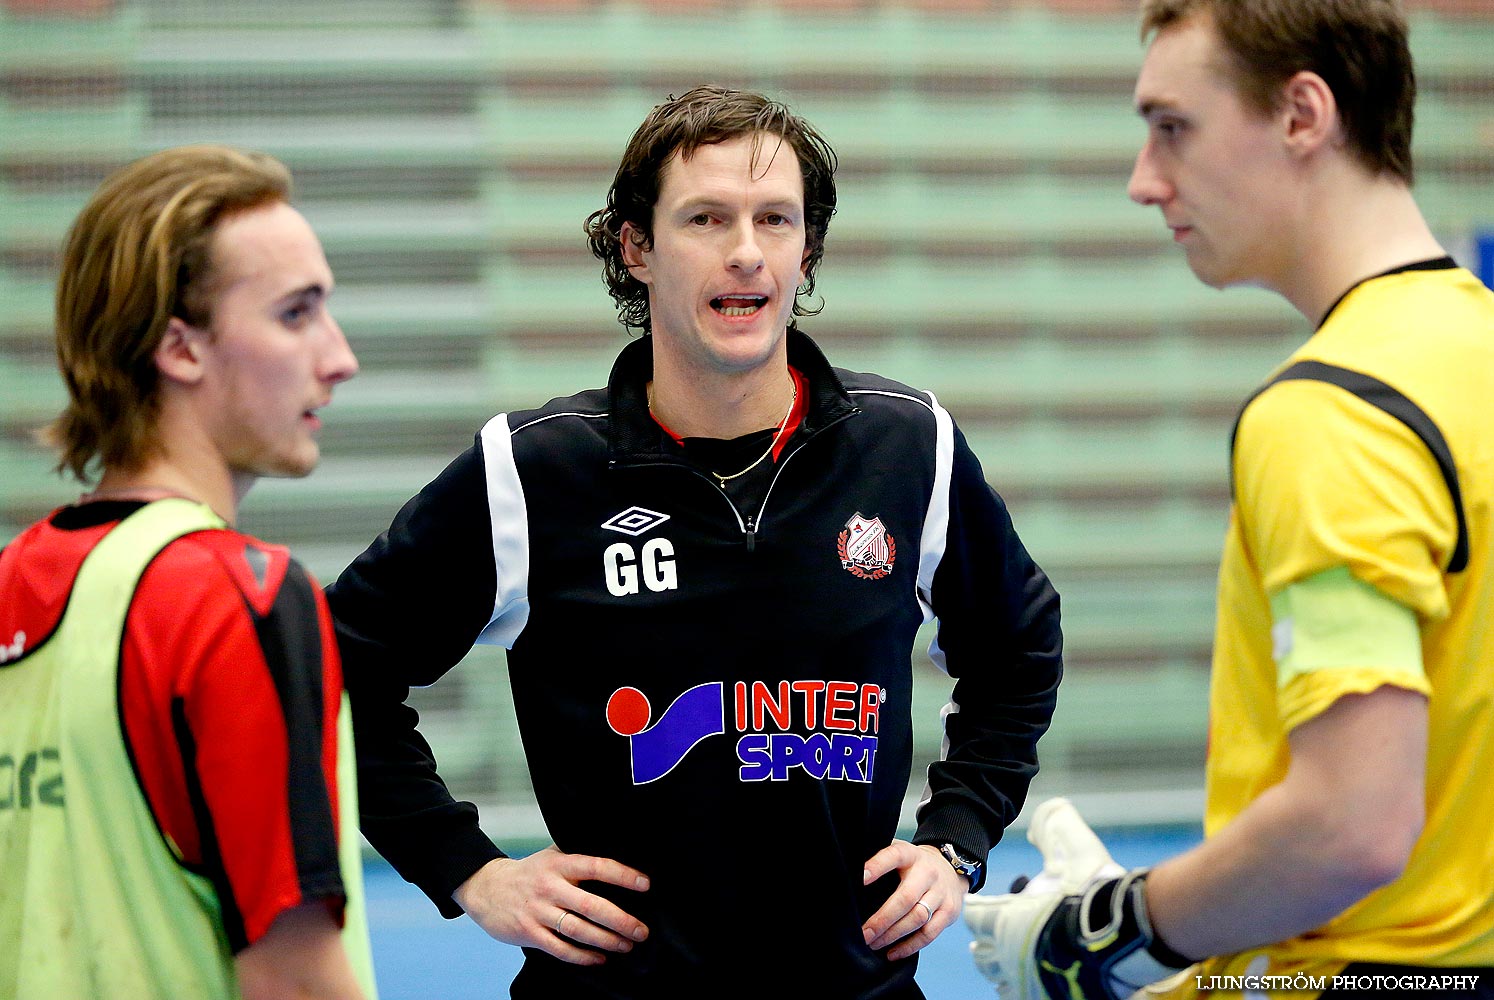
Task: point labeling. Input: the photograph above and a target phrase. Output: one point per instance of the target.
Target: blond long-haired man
(180, 819)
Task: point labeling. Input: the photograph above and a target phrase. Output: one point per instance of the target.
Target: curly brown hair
(704, 116)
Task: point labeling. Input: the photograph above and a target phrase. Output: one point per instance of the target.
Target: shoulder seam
(895, 395)
(564, 413)
(1393, 402)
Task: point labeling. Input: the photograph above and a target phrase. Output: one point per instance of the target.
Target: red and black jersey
(229, 689)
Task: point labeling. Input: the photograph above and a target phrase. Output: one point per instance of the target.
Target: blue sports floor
(420, 956)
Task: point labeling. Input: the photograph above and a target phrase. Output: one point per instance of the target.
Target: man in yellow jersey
(177, 814)
(1348, 847)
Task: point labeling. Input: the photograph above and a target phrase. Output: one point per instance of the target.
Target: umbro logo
(626, 568)
(635, 521)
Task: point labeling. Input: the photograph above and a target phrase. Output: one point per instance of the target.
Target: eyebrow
(706, 202)
(315, 290)
(1150, 107)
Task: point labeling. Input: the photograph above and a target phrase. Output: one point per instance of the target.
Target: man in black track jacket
(709, 576)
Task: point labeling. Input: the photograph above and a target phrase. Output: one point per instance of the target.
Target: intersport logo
(823, 729)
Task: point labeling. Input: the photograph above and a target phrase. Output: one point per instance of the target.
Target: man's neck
(163, 476)
(1351, 229)
(721, 406)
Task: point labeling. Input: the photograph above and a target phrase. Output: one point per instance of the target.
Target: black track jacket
(717, 697)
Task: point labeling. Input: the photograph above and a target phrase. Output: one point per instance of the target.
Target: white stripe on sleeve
(508, 517)
(936, 519)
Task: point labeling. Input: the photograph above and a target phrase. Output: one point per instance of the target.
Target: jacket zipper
(751, 524)
(754, 523)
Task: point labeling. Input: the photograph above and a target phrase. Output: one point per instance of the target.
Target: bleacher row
(447, 153)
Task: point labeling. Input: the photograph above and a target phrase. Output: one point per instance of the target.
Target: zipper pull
(751, 533)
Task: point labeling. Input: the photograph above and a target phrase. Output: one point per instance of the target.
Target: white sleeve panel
(508, 518)
(935, 539)
(936, 519)
(949, 708)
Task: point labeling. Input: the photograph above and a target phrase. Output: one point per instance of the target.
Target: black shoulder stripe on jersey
(1386, 398)
(211, 866)
(290, 637)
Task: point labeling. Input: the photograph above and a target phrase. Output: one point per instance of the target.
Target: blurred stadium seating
(448, 152)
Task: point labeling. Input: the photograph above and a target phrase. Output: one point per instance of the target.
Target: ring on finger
(927, 909)
(560, 922)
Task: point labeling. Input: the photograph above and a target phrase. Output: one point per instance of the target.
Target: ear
(179, 355)
(1310, 113)
(633, 253)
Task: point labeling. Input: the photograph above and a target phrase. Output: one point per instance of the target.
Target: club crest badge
(866, 548)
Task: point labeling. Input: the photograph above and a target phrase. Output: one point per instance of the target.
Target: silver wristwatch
(965, 866)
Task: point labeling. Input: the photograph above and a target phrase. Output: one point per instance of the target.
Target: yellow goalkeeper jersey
(1346, 475)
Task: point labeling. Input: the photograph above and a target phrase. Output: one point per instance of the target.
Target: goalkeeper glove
(1079, 929)
(1073, 856)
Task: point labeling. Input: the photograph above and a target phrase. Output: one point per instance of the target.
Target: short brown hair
(701, 117)
(1359, 47)
(137, 255)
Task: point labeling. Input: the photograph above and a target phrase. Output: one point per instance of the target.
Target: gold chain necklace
(723, 480)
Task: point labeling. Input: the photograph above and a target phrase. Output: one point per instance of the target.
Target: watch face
(959, 862)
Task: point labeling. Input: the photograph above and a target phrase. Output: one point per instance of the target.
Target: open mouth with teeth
(738, 305)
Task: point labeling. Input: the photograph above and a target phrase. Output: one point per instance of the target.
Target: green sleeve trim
(1335, 620)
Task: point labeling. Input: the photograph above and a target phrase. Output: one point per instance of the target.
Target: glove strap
(1101, 944)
